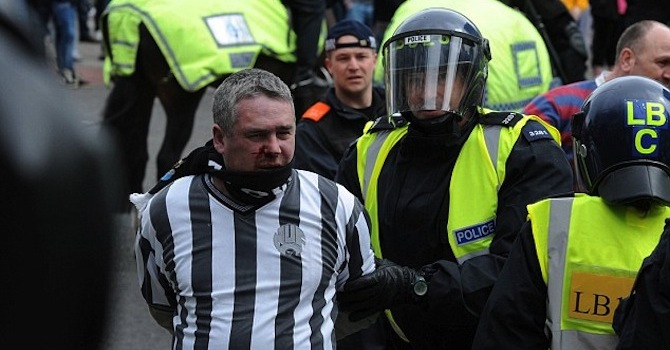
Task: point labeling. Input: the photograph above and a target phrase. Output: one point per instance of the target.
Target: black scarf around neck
(254, 187)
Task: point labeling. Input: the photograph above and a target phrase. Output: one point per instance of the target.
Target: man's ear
(217, 138)
(328, 64)
(626, 59)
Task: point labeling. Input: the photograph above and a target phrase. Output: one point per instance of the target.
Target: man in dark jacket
(330, 125)
(576, 256)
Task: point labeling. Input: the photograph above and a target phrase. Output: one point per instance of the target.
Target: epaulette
(532, 131)
(500, 118)
(316, 112)
(387, 123)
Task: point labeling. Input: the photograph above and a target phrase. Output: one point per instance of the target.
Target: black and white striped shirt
(247, 277)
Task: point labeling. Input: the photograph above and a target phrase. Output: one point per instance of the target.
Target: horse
(174, 50)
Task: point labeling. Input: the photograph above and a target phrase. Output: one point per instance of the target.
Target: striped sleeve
(154, 285)
(360, 257)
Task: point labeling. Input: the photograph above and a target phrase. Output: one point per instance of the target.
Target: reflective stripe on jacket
(200, 39)
(589, 253)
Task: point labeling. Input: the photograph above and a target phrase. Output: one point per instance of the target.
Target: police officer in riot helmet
(632, 167)
(436, 77)
(446, 183)
(641, 319)
(593, 243)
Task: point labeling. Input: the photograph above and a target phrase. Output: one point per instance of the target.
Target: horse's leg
(180, 107)
(127, 114)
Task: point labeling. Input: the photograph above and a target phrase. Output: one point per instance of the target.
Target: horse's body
(148, 65)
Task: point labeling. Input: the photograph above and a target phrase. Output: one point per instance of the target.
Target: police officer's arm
(641, 319)
(312, 152)
(514, 315)
(389, 284)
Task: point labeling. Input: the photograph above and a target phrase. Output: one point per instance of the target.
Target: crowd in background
(67, 22)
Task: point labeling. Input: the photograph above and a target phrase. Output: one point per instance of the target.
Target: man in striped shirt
(250, 254)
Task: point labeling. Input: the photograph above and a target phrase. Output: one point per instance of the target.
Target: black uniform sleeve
(515, 313)
(312, 152)
(347, 174)
(536, 169)
(642, 320)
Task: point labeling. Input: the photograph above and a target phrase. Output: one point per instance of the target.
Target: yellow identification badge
(595, 297)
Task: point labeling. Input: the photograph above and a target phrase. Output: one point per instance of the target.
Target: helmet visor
(429, 73)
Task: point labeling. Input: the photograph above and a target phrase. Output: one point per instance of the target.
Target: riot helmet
(435, 67)
(622, 141)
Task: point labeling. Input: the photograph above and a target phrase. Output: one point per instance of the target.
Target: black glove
(389, 285)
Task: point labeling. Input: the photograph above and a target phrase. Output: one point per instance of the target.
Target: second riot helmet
(622, 141)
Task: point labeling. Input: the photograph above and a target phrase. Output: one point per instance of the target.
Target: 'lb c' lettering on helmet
(622, 141)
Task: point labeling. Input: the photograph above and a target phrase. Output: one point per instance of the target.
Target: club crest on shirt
(289, 240)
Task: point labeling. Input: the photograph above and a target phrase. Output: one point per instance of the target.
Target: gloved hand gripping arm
(389, 285)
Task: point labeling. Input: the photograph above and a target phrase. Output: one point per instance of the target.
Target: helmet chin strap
(448, 123)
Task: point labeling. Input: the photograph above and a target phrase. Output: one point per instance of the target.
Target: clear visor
(428, 73)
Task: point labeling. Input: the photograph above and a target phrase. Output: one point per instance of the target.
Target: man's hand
(389, 285)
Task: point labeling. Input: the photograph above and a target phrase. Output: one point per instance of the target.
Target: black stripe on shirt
(201, 267)
(290, 271)
(355, 264)
(245, 280)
